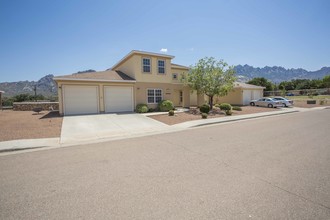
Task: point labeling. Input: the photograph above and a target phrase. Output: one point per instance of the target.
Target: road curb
(240, 119)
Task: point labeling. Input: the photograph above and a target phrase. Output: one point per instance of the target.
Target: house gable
(159, 64)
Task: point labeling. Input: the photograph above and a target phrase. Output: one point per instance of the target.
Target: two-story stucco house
(139, 77)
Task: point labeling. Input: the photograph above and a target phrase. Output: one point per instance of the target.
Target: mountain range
(47, 87)
(277, 74)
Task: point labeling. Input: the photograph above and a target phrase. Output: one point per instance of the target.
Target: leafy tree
(285, 85)
(21, 98)
(261, 81)
(326, 81)
(212, 78)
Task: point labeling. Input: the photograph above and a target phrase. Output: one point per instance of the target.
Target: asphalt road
(269, 168)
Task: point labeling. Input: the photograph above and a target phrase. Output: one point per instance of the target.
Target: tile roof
(102, 75)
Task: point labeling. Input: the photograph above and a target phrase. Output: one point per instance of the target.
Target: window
(175, 76)
(154, 96)
(161, 66)
(146, 65)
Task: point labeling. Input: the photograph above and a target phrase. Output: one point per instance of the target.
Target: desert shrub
(225, 107)
(205, 108)
(229, 112)
(165, 105)
(204, 115)
(7, 101)
(170, 113)
(236, 108)
(141, 108)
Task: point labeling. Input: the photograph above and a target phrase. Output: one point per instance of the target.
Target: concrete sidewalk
(8, 146)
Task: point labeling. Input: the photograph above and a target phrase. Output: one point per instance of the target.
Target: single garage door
(118, 98)
(247, 97)
(80, 99)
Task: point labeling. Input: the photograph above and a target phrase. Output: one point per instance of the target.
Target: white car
(285, 102)
(266, 102)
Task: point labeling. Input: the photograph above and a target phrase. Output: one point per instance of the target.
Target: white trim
(154, 95)
(179, 67)
(142, 53)
(94, 80)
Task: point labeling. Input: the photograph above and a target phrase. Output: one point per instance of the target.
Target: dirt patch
(28, 125)
(186, 116)
(303, 103)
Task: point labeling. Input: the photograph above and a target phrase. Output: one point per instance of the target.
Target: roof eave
(93, 80)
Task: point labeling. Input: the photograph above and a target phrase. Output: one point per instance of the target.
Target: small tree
(212, 78)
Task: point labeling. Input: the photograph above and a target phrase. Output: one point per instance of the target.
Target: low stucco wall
(29, 106)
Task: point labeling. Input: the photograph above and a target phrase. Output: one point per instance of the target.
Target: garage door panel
(80, 99)
(118, 98)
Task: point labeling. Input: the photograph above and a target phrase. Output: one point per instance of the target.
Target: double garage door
(249, 95)
(85, 99)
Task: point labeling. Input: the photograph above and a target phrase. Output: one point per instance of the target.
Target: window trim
(150, 60)
(164, 66)
(154, 89)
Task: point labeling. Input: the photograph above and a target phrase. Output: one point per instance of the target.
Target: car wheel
(252, 104)
(270, 106)
(284, 105)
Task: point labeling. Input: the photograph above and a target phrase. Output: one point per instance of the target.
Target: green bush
(141, 108)
(170, 113)
(165, 105)
(204, 115)
(225, 107)
(236, 108)
(205, 108)
(228, 112)
(151, 110)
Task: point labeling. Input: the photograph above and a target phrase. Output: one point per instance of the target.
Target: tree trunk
(211, 102)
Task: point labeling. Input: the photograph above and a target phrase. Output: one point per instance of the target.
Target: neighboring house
(140, 77)
(242, 94)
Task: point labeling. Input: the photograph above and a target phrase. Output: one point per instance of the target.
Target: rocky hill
(278, 74)
(45, 86)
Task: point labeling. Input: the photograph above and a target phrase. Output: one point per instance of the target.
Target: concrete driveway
(84, 128)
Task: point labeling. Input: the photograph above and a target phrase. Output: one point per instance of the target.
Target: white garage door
(80, 99)
(118, 98)
(247, 97)
(257, 94)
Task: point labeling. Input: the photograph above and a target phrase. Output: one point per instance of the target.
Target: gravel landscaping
(29, 125)
(187, 116)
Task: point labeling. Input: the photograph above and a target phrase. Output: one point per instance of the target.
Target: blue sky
(40, 37)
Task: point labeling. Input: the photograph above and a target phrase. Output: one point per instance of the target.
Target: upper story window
(161, 66)
(146, 65)
(175, 76)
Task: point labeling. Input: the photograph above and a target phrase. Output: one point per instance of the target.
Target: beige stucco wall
(180, 72)
(133, 67)
(87, 83)
(169, 92)
(234, 97)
